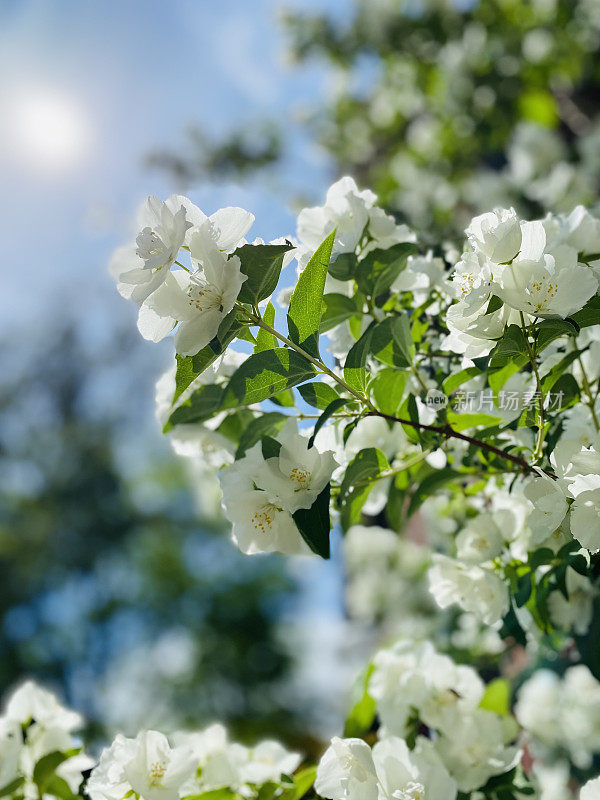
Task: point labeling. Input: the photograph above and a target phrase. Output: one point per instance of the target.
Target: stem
(315, 361)
(446, 431)
(391, 472)
(449, 432)
(588, 391)
(537, 453)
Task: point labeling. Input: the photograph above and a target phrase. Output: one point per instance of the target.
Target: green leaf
(11, 788)
(409, 410)
(343, 267)
(388, 389)
(358, 481)
(262, 264)
(265, 425)
(550, 329)
(213, 794)
(429, 486)
(392, 343)
(566, 389)
(285, 399)
(319, 395)
(328, 412)
(266, 374)
(557, 370)
(461, 422)
(201, 405)
(264, 339)
(589, 314)
(189, 367)
(507, 358)
(355, 373)
(314, 524)
(337, 308)
(362, 714)
(452, 382)
(259, 378)
(304, 314)
(46, 767)
(303, 781)
(270, 447)
(58, 787)
(496, 697)
(380, 268)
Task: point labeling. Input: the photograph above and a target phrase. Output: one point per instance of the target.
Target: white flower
(346, 771)
(496, 234)
(346, 209)
(563, 714)
(576, 612)
(148, 765)
(475, 589)
(583, 231)
(480, 540)
(163, 227)
(585, 519)
(260, 495)
(398, 683)
(268, 761)
(548, 506)
(413, 678)
(590, 790)
(30, 703)
(259, 526)
(411, 775)
(296, 476)
(11, 746)
(385, 231)
(198, 301)
(218, 761)
(163, 230)
(545, 287)
(422, 274)
(350, 770)
(475, 750)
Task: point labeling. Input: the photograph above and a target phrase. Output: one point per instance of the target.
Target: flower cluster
(35, 729)
(490, 513)
(192, 299)
(540, 268)
(154, 769)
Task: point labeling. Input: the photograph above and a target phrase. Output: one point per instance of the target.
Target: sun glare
(49, 129)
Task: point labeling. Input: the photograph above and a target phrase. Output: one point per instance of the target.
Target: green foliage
(336, 309)
(355, 373)
(304, 315)
(380, 268)
(361, 474)
(391, 341)
(314, 524)
(262, 264)
(363, 710)
(189, 367)
(259, 378)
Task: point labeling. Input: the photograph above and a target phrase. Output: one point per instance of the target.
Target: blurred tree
(449, 107)
(109, 586)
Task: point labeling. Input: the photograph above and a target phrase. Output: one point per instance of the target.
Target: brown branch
(449, 432)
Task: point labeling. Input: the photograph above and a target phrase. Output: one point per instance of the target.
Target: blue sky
(134, 74)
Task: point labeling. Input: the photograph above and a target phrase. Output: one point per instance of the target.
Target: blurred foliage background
(445, 108)
(112, 586)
